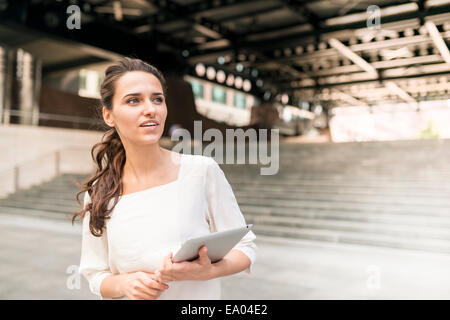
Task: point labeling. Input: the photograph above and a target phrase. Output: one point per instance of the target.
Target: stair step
(372, 199)
(40, 206)
(276, 182)
(62, 195)
(381, 218)
(286, 193)
(362, 228)
(432, 245)
(47, 193)
(353, 192)
(37, 213)
(49, 199)
(345, 206)
(295, 175)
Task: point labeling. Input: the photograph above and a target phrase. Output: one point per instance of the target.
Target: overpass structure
(301, 53)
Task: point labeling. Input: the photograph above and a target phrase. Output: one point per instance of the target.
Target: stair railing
(43, 168)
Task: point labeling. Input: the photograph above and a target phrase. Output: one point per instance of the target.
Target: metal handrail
(52, 116)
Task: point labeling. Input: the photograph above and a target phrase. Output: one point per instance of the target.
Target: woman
(144, 201)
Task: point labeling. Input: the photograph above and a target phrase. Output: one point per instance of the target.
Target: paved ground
(36, 255)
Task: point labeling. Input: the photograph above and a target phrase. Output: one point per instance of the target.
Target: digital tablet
(217, 243)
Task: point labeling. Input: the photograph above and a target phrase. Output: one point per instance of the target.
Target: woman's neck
(141, 163)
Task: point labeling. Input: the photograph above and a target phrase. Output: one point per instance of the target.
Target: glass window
(197, 88)
(99, 83)
(219, 95)
(82, 80)
(239, 100)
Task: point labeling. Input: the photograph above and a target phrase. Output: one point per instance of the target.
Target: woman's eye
(159, 100)
(132, 100)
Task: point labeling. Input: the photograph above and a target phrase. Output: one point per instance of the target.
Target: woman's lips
(150, 128)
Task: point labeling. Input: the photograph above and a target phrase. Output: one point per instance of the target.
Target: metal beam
(394, 88)
(242, 15)
(202, 25)
(194, 10)
(350, 98)
(251, 14)
(93, 33)
(207, 31)
(304, 13)
(346, 52)
(299, 38)
(216, 30)
(72, 64)
(392, 74)
(409, 7)
(313, 57)
(438, 41)
(379, 65)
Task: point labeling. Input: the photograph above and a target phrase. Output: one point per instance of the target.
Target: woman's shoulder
(198, 163)
(198, 159)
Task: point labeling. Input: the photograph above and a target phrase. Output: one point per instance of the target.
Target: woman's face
(138, 98)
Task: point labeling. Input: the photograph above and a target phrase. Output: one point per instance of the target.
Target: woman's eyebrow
(131, 94)
(138, 94)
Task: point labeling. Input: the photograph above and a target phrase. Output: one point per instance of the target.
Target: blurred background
(359, 91)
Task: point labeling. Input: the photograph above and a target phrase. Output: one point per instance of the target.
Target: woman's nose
(149, 107)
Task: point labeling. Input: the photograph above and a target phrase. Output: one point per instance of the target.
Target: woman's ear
(107, 117)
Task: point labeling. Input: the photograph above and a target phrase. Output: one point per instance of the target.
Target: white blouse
(146, 225)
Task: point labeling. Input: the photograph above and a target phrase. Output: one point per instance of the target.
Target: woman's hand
(142, 286)
(199, 269)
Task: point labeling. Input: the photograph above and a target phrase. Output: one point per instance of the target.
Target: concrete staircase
(391, 194)
(53, 199)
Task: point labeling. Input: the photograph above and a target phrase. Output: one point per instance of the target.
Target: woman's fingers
(151, 281)
(143, 285)
(203, 255)
(204, 251)
(157, 285)
(162, 274)
(162, 266)
(168, 261)
(147, 292)
(163, 277)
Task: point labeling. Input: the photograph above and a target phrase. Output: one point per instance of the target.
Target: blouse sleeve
(223, 211)
(94, 265)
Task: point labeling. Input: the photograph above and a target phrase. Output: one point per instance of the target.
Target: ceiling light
(200, 69)
(247, 85)
(238, 82)
(210, 73)
(230, 80)
(220, 76)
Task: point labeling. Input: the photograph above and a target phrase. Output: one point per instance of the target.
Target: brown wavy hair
(109, 154)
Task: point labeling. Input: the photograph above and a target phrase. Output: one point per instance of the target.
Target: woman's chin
(151, 140)
(148, 136)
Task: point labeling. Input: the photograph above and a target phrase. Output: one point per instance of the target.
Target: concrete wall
(32, 150)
